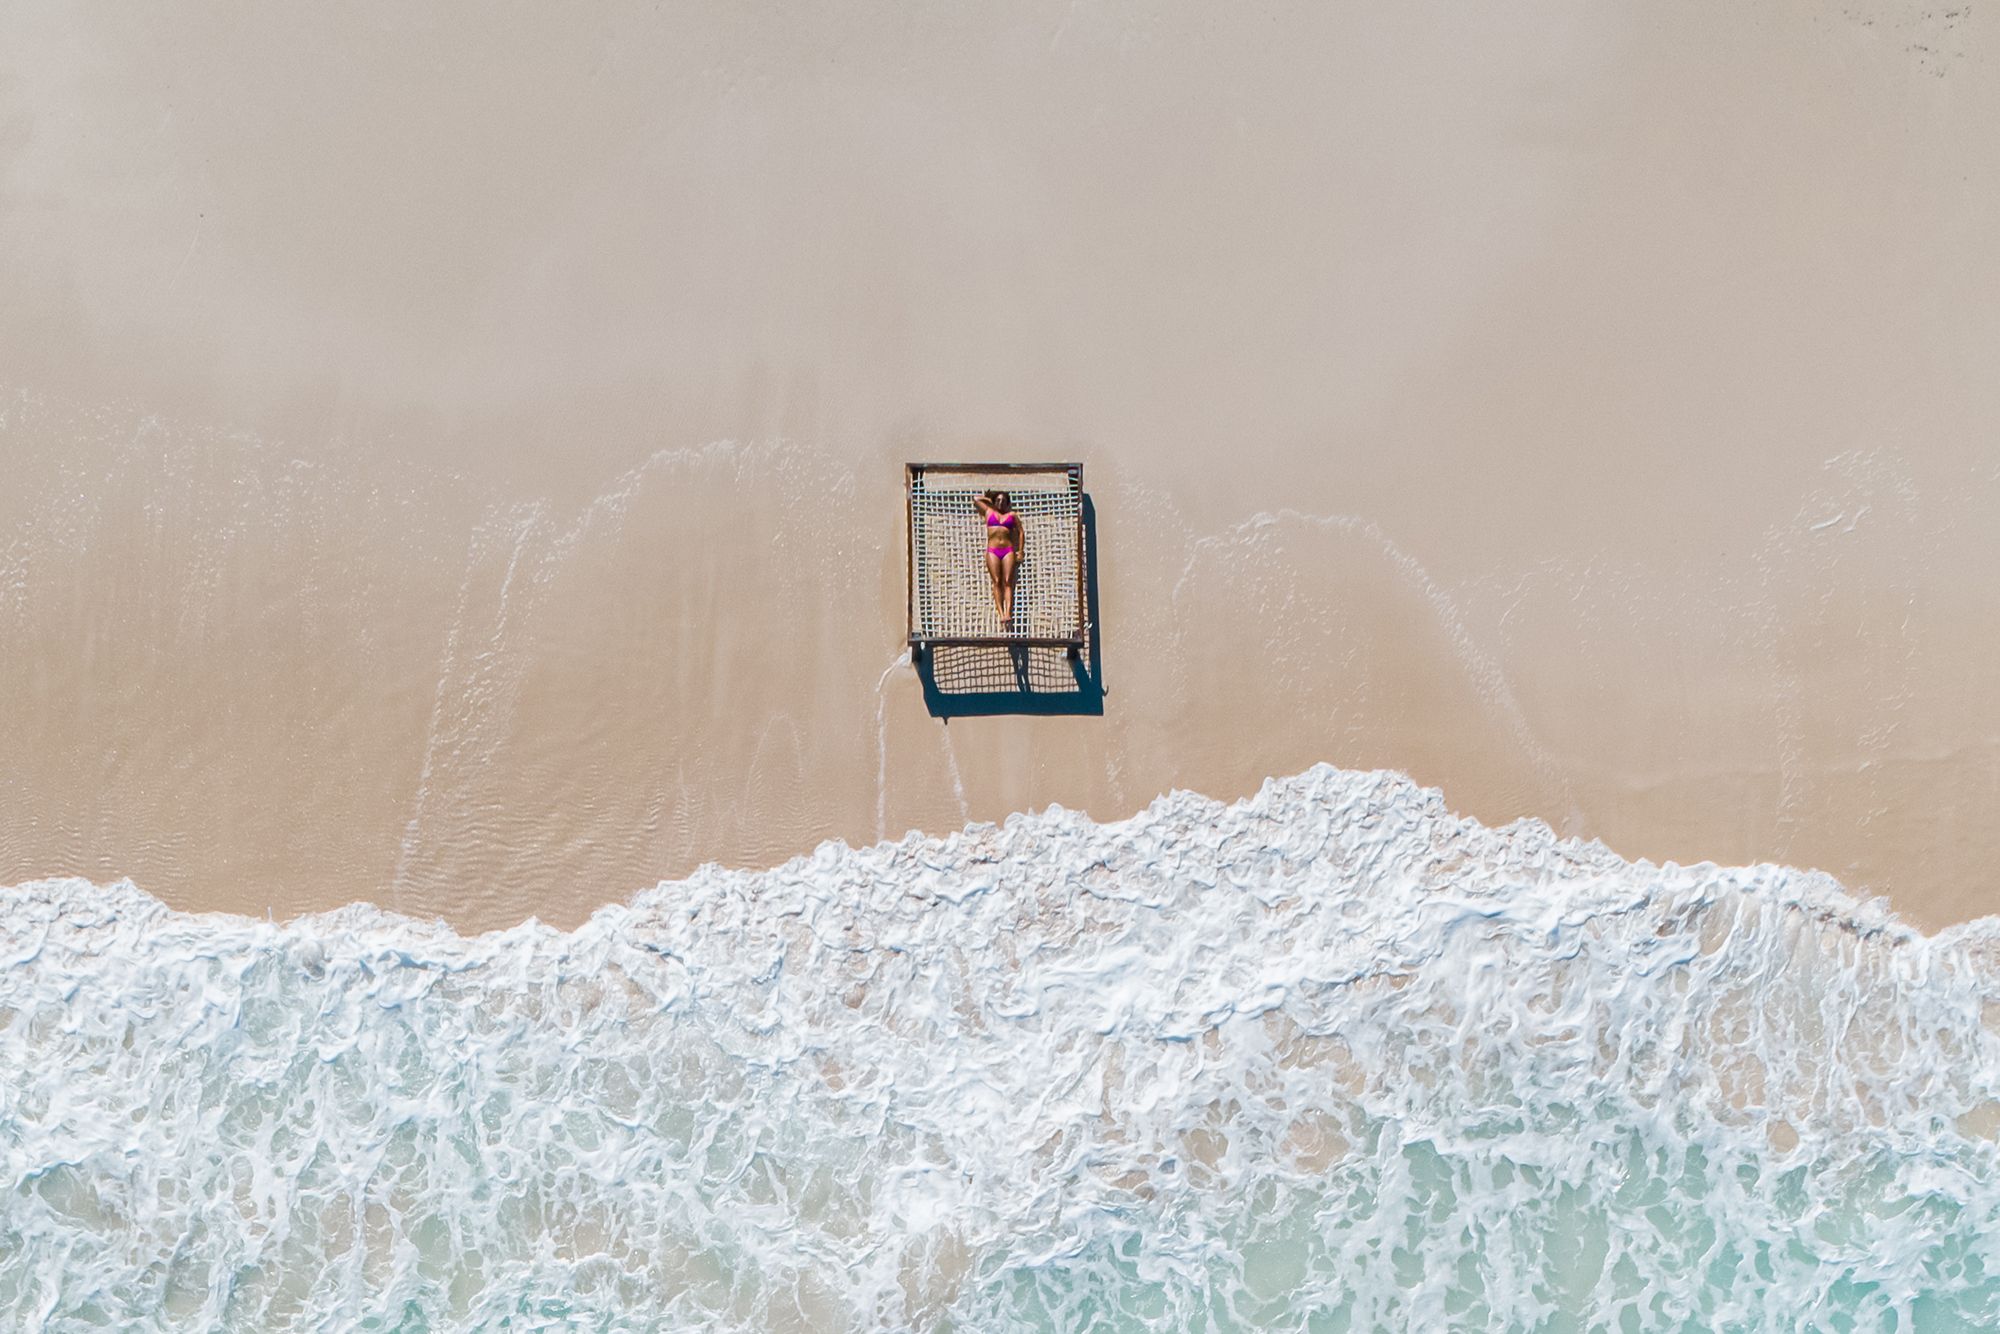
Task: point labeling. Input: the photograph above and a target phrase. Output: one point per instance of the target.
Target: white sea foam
(1329, 1058)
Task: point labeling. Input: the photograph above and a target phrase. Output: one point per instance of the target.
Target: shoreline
(1813, 893)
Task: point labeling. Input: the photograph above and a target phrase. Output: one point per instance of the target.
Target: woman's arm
(982, 504)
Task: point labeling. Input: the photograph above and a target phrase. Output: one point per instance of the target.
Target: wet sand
(454, 457)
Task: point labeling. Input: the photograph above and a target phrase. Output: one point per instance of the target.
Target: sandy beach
(452, 465)
(453, 456)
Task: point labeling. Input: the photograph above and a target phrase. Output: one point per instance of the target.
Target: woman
(1003, 550)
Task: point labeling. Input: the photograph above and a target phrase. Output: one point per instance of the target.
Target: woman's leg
(1010, 565)
(994, 579)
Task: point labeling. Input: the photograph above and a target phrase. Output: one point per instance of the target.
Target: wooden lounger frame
(1069, 634)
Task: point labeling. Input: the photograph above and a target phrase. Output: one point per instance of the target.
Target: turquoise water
(1327, 1059)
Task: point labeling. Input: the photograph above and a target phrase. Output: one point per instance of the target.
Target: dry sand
(452, 452)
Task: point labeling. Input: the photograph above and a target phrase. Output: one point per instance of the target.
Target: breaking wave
(1328, 1058)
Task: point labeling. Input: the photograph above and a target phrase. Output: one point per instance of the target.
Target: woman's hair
(1002, 499)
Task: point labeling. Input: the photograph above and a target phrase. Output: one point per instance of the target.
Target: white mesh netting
(949, 587)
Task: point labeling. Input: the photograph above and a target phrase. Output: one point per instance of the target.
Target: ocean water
(1330, 1058)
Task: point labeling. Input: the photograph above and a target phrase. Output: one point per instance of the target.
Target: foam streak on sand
(1328, 1058)
(901, 660)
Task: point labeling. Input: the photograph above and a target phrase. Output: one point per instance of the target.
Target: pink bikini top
(995, 519)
